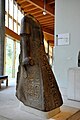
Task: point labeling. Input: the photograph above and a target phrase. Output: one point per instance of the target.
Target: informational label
(62, 39)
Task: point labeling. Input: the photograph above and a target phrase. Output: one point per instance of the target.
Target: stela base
(38, 113)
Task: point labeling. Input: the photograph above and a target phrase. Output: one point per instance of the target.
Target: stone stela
(36, 84)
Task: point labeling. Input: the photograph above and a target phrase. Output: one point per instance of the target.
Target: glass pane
(15, 27)
(9, 56)
(11, 7)
(10, 24)
(6, 20)
(18, 29)
(15, 11)
(19, 16)
(6, 5)
(17, 57)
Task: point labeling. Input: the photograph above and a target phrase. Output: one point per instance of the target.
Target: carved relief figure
(36, 83)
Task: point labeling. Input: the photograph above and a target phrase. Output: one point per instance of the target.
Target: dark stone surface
(36, 84)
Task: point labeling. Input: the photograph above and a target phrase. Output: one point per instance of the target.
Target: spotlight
(44, 11)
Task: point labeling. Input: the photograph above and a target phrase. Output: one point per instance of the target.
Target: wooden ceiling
(36, 8)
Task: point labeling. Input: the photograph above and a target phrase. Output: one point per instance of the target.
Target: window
(17, 57)
(15, 27)
(18, 29)
(13, 16)
(11, 7)
(10, 24)
(6, 20)
(15, 11)
(6, 5)
(9, 57)
(12, 50)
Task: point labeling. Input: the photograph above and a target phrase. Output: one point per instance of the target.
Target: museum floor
(10, 108)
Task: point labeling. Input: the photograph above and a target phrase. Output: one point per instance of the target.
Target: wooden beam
(40, 5)
(33, 11)
(47, 23)
(48, 36)
(12, 34)
(48, 31)
(38, 15)
(51, 41)
(37, 12)
(42, 16)
(30, 8)
(45, 17)
(20, 1)
(25, 4)
(50, 1)
(46, 20)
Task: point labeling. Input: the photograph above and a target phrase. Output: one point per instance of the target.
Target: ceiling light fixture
(44, 11)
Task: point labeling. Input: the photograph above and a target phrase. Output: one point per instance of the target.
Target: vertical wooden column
(2, 35)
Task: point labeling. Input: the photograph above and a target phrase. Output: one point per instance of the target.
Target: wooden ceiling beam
(45, 17)
(47, 22)
(38, 15)
(33, 12)
(20, 1)
(44, 20)
(29, 10)
(50, 1)
(49, 37)
(40, 5)
(48, 31)
(49, 28)
(30, 6)
(25, 4)
(51, 41)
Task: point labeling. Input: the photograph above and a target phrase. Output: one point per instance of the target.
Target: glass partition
(12, 50)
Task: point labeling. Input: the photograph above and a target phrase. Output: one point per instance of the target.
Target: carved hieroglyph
(36, 85)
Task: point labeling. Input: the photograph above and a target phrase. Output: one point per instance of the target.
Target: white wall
(67, 20)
